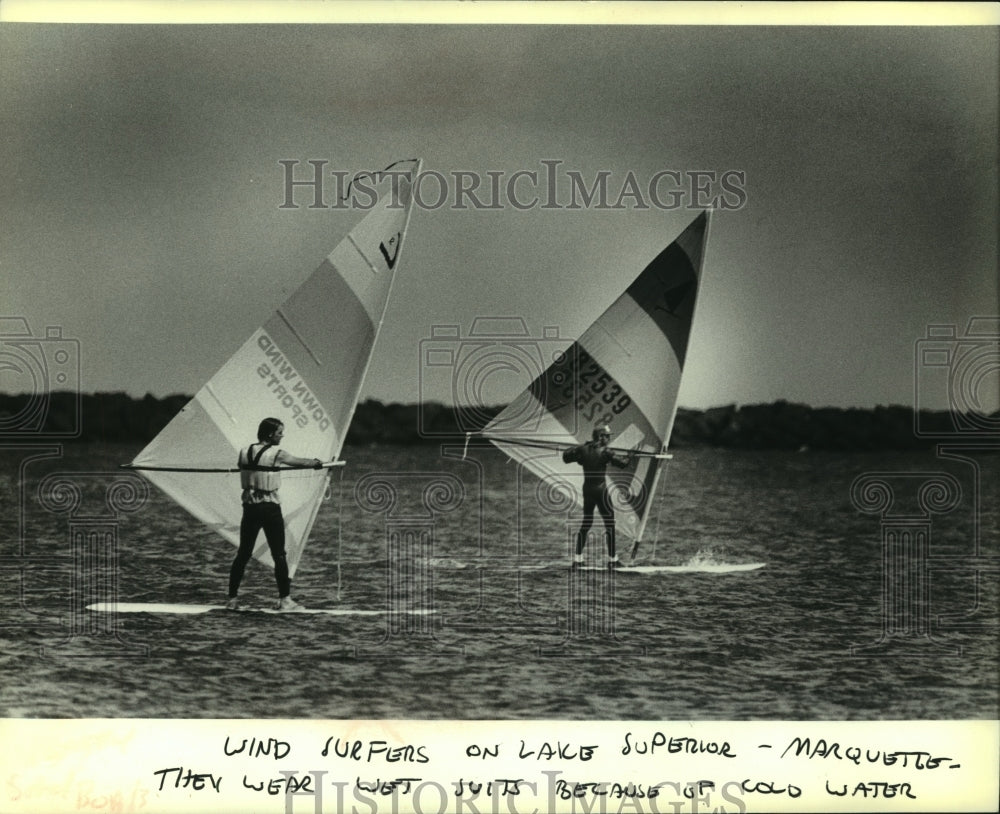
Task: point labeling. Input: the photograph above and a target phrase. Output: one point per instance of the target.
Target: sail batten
(364, 256)
(297, 335)
(218, 402)
(305, 366)
(625, 371)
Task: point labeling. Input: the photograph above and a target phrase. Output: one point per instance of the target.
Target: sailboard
(647, 570)
(196, 609)
(305, 366)
(625, 371)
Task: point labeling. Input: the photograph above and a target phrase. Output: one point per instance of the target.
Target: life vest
(259, 480)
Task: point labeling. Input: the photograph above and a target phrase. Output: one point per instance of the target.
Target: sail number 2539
(598, 396)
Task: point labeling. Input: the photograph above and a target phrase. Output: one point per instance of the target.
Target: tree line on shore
(118, 417)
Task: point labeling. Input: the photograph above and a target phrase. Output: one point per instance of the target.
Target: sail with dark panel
(624, 371)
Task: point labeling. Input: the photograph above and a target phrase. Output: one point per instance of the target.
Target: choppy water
(514, 634)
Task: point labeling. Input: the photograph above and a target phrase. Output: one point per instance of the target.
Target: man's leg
(608, 515)
(588, 520)
(249, 529)
(274, 531)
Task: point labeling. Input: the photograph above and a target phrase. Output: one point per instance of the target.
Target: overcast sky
(140, 190)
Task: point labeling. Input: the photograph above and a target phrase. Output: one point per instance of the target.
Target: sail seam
(611, 336)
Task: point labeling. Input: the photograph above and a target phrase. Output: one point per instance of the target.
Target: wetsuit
(594, 459)
(261, 510)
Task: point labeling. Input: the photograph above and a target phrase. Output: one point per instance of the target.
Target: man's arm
(286, 459)
(618, 459)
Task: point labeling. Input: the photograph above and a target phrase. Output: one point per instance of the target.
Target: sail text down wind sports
(281, 378)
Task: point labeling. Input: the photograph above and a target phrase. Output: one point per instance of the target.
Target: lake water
(829, 628)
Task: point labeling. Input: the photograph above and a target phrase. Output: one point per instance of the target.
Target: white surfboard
(182, 608)
(688, 568)
(703, 568)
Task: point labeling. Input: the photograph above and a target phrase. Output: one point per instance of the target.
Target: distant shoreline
(118, 417)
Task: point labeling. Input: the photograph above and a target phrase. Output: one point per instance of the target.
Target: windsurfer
(262, 509)
(594, 457)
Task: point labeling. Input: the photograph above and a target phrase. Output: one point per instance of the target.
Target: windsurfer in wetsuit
(262, 509)
(594, 457)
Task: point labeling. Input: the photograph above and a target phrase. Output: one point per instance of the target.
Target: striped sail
(304, 366)
(625, 371)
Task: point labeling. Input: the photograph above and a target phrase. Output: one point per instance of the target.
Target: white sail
(304, 366)
(625, 371)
